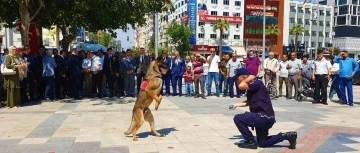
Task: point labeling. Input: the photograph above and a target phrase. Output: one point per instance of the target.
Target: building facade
(317, 21)
(201, 16)
(346, 25)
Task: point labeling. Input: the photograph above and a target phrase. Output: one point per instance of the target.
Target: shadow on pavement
(165, 131)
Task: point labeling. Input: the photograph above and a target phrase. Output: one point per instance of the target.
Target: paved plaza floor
(191, 125)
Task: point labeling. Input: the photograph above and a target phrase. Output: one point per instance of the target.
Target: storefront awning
(226, 49)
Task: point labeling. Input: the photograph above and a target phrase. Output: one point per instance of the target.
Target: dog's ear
(159, 58)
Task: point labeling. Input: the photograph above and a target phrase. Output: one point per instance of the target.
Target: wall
(122, 36)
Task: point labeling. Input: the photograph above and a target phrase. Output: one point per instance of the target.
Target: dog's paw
(135, 139)
(126, 133)
(162, 135)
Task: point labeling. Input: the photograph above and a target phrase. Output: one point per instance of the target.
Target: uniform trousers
(121, 85)
(129, 80)
(75, 84)
(293, 82)
(321, 83)
(97, 80)
(261, 125)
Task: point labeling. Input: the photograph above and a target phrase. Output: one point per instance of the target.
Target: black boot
(291, 137)
(248, 144)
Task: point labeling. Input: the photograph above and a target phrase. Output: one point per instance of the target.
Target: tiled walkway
(191, 125)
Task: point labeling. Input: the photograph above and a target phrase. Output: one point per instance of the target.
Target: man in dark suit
(122, 72)
(111, 70)
(60, 74)
(167, 77)
(40, 82)
(75, 68)
(142, 64)
(178, 69)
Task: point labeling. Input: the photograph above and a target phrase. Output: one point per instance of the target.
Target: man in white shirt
(232, 66)
(86, 65)
(95, 69)
(271, 67)
(283, 75)
(321, 75)
(213, 73)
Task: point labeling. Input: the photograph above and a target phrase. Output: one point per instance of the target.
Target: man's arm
(356, 67)
(244, 84)
(337, 59)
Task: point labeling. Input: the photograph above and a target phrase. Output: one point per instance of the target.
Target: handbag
(6, 71)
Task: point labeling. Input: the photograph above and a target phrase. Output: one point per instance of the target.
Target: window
(307, 11)
(314, 22)
(201, 23)
(341, 20)
(328, 23)
(226, 2)
(213, 36)
(200, 35)
(320, 44)
(313, 44)
(321, 12)
(321, 34)
(182, 3)
(313, 33)
(306, 43)
(307, 22)
(237, 14)
(236, 36)
(299, 21)
(225, 36)
(225, 13)
(214, 1)
(321, 23)
(237, 26)
(213, 12)
(340, 2)
(354, 1)
(300, 10)
(353, 20)
(292, 9)
(127, 38)
(292, 20)
(326, 34)
(343, 9)
(237, 3)
(328, 13)
(307, 33)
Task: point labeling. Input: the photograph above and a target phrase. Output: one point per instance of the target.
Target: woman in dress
(12, 82)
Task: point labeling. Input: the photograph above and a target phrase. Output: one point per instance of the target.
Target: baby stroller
(307, 90)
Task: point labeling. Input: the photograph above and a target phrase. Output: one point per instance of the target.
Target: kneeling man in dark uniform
(261, 115)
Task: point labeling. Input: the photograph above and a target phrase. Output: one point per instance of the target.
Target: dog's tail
(132, 125)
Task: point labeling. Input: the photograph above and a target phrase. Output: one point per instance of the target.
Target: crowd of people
(52, 75)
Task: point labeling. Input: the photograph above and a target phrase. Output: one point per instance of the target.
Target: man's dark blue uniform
(261, 117)
(75, 68)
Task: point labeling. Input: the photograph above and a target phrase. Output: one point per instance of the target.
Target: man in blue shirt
(49, 66)
(261, 115)
(348, 66)
(129, 67)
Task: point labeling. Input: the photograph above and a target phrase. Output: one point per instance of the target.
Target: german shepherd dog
(150, 90)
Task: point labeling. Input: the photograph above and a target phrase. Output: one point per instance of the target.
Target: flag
(304, 2)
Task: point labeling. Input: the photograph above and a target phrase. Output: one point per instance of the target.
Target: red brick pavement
(313, 138)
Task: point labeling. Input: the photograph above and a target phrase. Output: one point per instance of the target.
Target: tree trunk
(220, 43)
(25, 23)
(296, 44)
(68, 36)
(272, 43)
(40, 38)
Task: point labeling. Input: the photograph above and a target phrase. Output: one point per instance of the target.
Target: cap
(241, 71)
(197, 55)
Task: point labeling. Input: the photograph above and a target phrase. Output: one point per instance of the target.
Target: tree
(25, 11)
(102, 37)
(222, 25)
(336, 51)
(151, 44)
(297, 30)
(272, 31)
(179, 35)
(92, 15)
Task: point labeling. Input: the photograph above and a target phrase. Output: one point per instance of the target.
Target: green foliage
(151, 45)
(102, 38)
(336, 51)
(222, 25)
(296, 30)
(272, 30)
(93, 15)
(179, 35)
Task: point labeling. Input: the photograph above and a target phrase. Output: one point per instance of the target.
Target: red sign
(185, 18)
(202, 48)
(203, 12)
(33, 38)
(213, 18)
